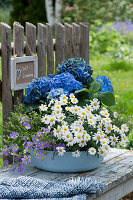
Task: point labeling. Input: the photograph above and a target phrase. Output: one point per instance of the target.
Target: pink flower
(72, 8)
(66, 9)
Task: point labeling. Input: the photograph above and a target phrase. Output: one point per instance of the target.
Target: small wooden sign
(23, 70)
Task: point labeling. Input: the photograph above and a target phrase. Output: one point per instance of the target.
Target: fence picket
(50, 53)
(84, 41)
(18, 37)
(60, 39)
(30, 39)
(7, 100)
(41, 50)
(75, 40)
(68, 41)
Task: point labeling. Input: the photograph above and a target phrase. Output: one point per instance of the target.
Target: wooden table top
(116, 170)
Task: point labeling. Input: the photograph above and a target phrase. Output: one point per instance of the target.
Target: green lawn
(122, 81)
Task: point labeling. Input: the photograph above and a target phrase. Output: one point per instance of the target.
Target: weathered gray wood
(118, 192)
(75, 40)
(50, 53)
(7, 101)
(30, 39)
(68, 41)
(84, 41)
(60, 39)
(41, 50)
(18, 37)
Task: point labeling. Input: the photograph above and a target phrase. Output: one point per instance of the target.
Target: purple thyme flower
(45, 130)
(29, 145)
(26, 159)
(5, 151)
(24, 138)
(27, 126)
(5, 163)
(13, 135)
(18, 158)
(23, 119)
(20, 168)
(14, 148)
(40, 156)
(39, 134)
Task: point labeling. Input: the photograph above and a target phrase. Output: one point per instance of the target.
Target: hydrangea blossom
(106, 84)
(78, 67)
(47, 86)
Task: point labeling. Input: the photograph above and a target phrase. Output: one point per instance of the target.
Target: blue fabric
(32, 188)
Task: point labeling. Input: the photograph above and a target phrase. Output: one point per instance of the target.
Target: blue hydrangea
(56, 92)
(106, 84)
(42, 87)
(78, 67)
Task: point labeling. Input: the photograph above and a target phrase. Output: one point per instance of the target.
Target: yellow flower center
(76, 109)
(83, 113)
(95, 103)
(109, 128)
(79, 136)
(98, 137)
(114, 139)
(92, 150)
(57, 131)
(60, 150)
(65, 129)
(90, 117)
(68, 136)
(82, 141)
(106, 148)
(91, 122)
(64, 101)
(57, 107)
(76, 129)
(52, 119)
(70, 140)
(74, 100)
(64, 97)
(103, 142)
(101, 151)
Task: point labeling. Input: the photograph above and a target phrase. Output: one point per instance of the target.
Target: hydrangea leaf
(107, 98)
(83, 90)
(95, 86)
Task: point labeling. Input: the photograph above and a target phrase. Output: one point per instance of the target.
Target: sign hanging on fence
(23, 70)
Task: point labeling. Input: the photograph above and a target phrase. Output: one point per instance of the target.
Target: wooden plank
(60, 39)
(7, 100)
(68, 41)
(30, 39)
(18, 37)
(117, 192)
(84, 42)
(41, 50)
(75, 40)
(50, 53)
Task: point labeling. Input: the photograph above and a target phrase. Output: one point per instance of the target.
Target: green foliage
(90, 11)
(28, 10)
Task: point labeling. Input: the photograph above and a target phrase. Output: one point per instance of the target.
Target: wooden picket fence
(69, 41)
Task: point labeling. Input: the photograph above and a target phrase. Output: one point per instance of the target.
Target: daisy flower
(115, 114)
(95, 104)
(45, 119)
(43, 107)
(57, 131)
(114, 140)
(101, 133)
(65, 129)
(74, 100)
(106, 148)
(52, 120)
(67, 136)
(70, 142)
(124, 139)
(78, 137)
(123, 144)
(82, 143)
(87, 137)
(91, 122)
(60, 150)
(71, 96)
(60, 117)
(115, 128)
(92, 151)
(76, 154)
(63, 97)
(101, 151)
(108, 128)
(104, 141)
(97, 137)
(124, 128)
(100, 126)
(63, 101)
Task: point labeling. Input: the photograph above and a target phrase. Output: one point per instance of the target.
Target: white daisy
(104, 141)
(114, 140)
(101, 133)
(82, 143)
(115, 114)
(97, 137)
(124, 139)
(91, 122)
(52, 119)
(45, 119)
(65, 129)
(124, 128)
(106, 148)
(92, 151)
(108, 128)
(67, 136)
(64, 97)
(78, 137)
(43, 107)
(72, 96)
(100, 126)
(60, 117)
(116, 129)
(95, 104)
(87, 137)
(63, 101)
(123, 144)
(60, 150)
(74, 100)
(76, 154)
(101, 151)
(57, 131)
(70, 142)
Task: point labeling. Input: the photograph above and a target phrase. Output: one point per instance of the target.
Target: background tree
(28, 10)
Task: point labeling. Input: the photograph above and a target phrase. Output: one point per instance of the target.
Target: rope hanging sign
(23, 70)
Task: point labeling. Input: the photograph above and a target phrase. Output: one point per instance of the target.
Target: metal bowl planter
(67, 163)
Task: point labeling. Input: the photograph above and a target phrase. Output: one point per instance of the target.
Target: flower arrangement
(71, 116)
